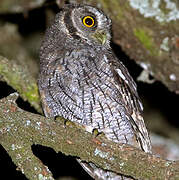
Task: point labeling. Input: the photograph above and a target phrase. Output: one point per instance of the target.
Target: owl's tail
(100, 174)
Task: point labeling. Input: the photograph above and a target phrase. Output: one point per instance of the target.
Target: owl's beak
(100, 36)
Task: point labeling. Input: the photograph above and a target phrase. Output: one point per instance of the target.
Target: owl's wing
(132, 103)
(127, 85)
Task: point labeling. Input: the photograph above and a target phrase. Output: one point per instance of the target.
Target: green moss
(114, 6)
(32, 93)
(147, 40)
(21, 80)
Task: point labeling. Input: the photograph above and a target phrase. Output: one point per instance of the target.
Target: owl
(82, 80)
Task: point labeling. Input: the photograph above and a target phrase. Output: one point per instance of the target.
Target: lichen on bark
(20, 129)
(21, 80)
(141, 29)
(8, 6)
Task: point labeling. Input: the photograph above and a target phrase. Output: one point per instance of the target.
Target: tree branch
(20, 129)
(21, 80)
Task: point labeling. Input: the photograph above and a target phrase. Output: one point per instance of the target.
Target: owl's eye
(88, 21)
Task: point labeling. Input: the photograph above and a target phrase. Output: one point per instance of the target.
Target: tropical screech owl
(82, 80)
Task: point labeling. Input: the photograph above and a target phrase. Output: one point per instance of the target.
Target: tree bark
(152, 42)
(20, 129)
(148, 32)
(18, 77)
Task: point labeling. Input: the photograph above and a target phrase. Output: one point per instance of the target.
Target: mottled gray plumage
(82, 80)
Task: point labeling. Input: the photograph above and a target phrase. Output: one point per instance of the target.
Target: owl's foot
(97, 133)
(60, 119)
(67, 123)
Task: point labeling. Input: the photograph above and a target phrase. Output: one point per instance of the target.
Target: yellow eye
(88, 21)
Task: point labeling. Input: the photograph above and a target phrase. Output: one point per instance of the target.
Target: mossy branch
(21, 80)
(20, 130)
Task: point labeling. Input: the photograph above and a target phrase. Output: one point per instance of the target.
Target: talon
(61, 119)
(69, 123)
(96, 133)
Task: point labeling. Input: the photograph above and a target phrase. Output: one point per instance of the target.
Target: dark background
(156, 97)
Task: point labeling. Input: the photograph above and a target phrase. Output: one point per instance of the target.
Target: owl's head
(87, 23)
